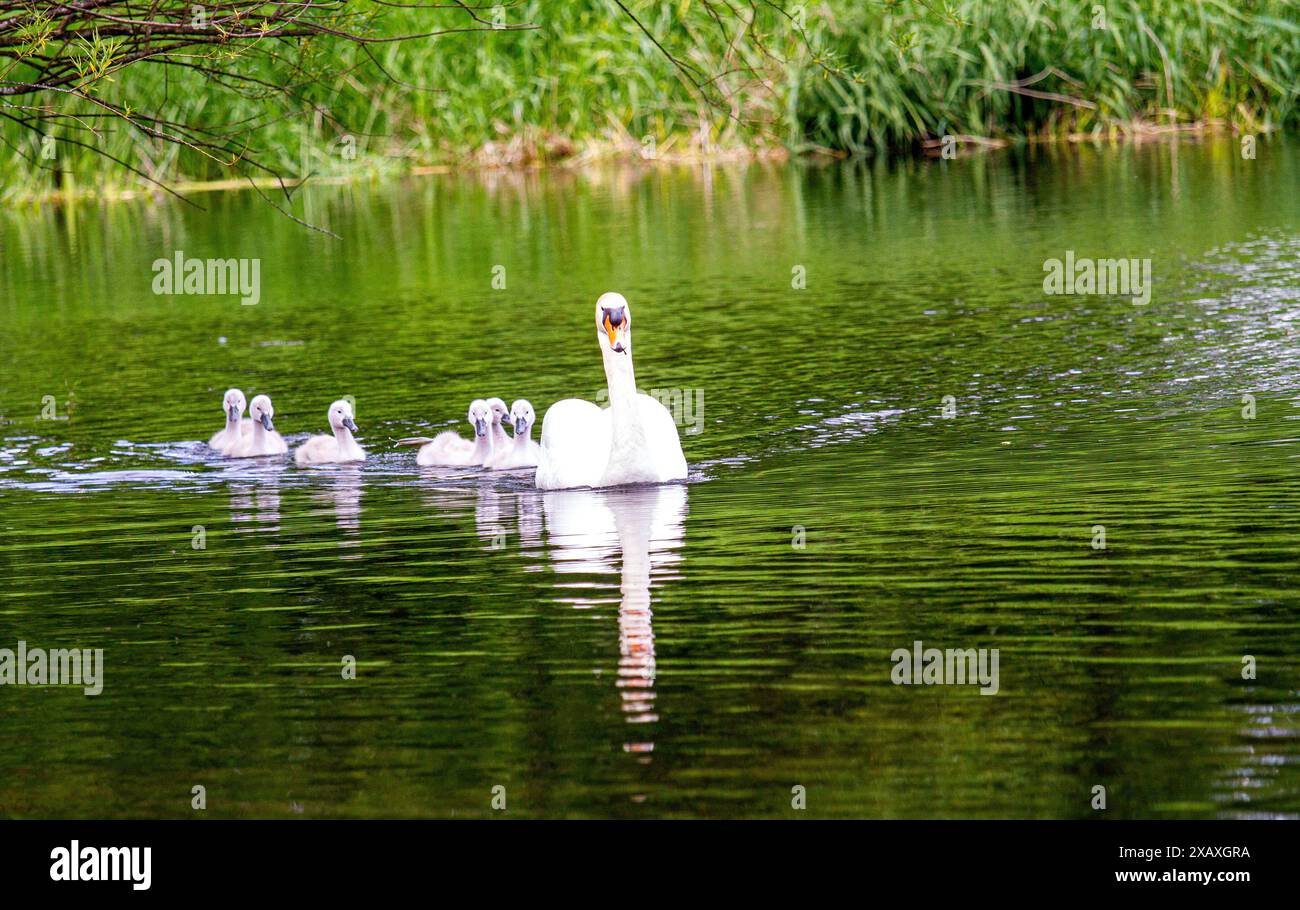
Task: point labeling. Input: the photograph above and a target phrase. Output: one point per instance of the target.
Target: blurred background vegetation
(688, 78)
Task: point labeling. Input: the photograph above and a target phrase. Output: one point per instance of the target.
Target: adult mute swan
(448, 449)
(522, 452)
(634, 440)
(264, 440)
(339, 447)
(233, 404)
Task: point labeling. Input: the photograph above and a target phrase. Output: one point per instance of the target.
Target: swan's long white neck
(232, 423)
(498, 434)
(629, 455)
(522, 439)
(259, 431)
(342, 434)
(483, 446)
(621, 379)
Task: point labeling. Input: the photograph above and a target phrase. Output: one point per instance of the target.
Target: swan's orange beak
(614, 326)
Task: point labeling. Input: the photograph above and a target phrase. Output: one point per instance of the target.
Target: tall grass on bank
(904, 71)
(855, 76)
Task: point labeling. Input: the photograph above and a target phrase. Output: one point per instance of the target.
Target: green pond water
(670, 651)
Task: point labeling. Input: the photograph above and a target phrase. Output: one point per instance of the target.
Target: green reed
(841, 74)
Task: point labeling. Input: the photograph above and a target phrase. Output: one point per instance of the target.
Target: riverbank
(590, 84)
(517, 158)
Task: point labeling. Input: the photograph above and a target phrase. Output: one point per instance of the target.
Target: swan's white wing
(220, 441)
(661, 439)
(327, 450)
(512, 459)
(575, 445)
(317, 450)
(272, 443)
(446, 449)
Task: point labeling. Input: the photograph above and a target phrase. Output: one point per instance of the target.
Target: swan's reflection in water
(496, 514)
(636, 532)
(491, 516)
(255, 504)
(1252, 786)
(342, 491)
(499, 516)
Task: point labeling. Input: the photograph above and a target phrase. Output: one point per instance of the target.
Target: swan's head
(614, 322)
(341, 415)
(499, 410)
(233, 404)
(261, 410)
(522, 416)
(480, 416)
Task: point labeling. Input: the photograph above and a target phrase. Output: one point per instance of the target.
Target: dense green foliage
(842, 74)
(1109, 65)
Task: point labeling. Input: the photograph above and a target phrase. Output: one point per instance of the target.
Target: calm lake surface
(670, 651)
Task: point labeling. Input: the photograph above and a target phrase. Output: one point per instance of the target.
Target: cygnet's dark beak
(350, 424)
(266, 422)
(520, 423)
(233, 412)
(480, 426)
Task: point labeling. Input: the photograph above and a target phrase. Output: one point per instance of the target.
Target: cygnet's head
(340, 414)
(522, 416)
(261, 410)
(480, 416)
(233, 404)
(499, 410)
(614, 323)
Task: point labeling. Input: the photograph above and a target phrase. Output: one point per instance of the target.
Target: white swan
(264, 440)
(339, 447)
(233, 404)
(634, 440)
(522, 452)
(448, 449)
(499, 413)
